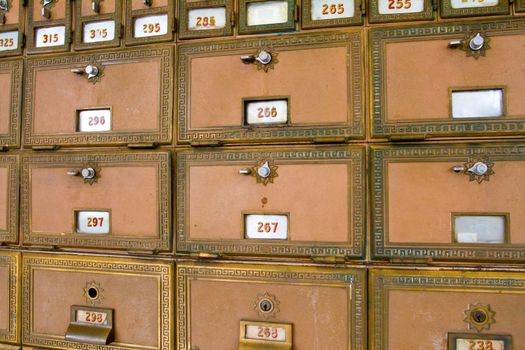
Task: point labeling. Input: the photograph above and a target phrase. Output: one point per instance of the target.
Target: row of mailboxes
(83, 302)
(102, 23)
(453, 202)
(465, 81)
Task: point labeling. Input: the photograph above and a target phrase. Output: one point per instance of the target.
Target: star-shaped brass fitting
(90, 172)
(265, 171)
(479, 317)
(479, 169)
(266, 305)
(475, 45)
(93, 293)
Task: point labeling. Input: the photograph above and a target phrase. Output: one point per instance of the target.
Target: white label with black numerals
(94, 222)
(92, 317)
(207, 19)
(479, 344)
(266, 226)
(8, 41)
(463, 4)
(94, 120)
(268, 333)
(150, 26)
(393, 7)
(267, 112)
(95, 32)
(477, 103)
(267, 12)
(332, 9)
(50, 36)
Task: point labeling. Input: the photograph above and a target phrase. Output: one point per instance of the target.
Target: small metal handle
(77, 71)
(95, 6)
(88, 173)
(2, 18)
(454, 44)
(245, 171)
(477, 42)
(148, 3)
(478, 168)
(264, 57)
(46, 11)
(248, 59)
(458, 168)
(91, 71)
(73, 173)
(4, 6)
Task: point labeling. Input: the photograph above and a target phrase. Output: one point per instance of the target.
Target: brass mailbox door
(149, 21)
(138, 292)
(9, 297)
(97, 200)
(450, 66)
(207, 18)
(310, 88)
(106, 98)
(11, 73)
(450, 310)
(325, 308)
(11, 28)
(49, 26)
(9, 188)
(97, 23)
(448, 202)
(300, 201)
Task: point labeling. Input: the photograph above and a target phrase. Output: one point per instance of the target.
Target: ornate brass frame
(11, 261)
(163, 271)
(381, 156)
(353, 128)
(18, 27)
(160, 160)
(185, 6)
(381, 127)
(382, 281)
(353, 279)
(354, 156)
(11, 162)
(15, 68)
(81, 19)
(33, 25)
(447, 11)
(162, 135)
(131, 15)
(244, 28)
(307, 22)
(375, 17)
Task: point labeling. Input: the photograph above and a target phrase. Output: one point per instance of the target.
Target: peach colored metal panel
(320, 190)
(132, 187)
(417, 196)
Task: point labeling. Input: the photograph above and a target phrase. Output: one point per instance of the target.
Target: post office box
(270, 307)
(11, 27)
(49, 26)
(97, 23)
(9, 188)
(97, 200)
(11, 73)
(149, 21)
(9, 298)
(262, 16)
(287, 88)
(208, 18)
(334, 13)
(464, 8)
(464, 80)
(109, 98)
(453, 310)
(380, 11)
(294, 201)
(449, 202)
(86, 302)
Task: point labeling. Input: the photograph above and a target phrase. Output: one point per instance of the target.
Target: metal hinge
(143, 252)
(363, 8)
(329, 259)
(174, 25)
(420, 261)
(296, 14)
(3, 148)
(45, 247)
(205, 255)
(44, 147)
(232, 19)
(142, 145)
(337, 139)
(417, 137)
(209, 143)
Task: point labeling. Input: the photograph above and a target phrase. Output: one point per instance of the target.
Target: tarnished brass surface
(10, 286)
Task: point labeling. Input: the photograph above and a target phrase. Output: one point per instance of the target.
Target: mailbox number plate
(8, 41)
(266, 112)
(266, 226)
(265, 333)
(463, 4)
(207, 19)
(94, 222)
(151, 26)
(94, 120)
(477, 103)
(479, 344)
(267, 12)
(95, 32)
(92, 317)
(326, 9)
(387, 7)
(50, 36)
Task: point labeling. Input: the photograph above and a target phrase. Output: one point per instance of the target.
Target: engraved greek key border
(11, 261)
(11, 235)
(15, 68)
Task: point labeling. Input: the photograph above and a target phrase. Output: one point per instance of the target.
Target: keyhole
(266, 305)
(93, 293)
(479, 316)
